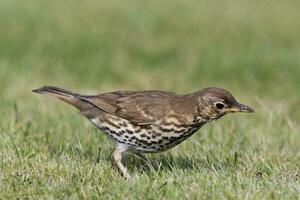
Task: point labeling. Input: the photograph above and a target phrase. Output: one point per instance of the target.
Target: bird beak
(241, 108)
(245, 108)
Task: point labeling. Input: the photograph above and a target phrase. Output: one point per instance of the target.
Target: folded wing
(141, 107)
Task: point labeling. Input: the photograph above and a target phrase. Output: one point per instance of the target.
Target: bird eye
(219, 105)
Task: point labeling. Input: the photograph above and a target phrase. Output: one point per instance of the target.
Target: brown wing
(142, 107)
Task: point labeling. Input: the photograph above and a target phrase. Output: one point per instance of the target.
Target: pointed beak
(245, 108)
(241, 108)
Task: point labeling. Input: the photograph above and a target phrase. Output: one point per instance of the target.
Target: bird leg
(117, 159)
(141, 156)
(151, 165)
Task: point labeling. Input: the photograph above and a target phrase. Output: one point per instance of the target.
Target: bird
(149, 121)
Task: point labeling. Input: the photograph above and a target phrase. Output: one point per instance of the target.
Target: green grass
(252, 48)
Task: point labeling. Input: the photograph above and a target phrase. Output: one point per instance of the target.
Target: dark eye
(219, 105)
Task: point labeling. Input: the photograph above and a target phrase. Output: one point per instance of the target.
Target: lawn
(251, 48)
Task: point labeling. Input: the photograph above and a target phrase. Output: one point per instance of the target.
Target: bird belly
(148, 138)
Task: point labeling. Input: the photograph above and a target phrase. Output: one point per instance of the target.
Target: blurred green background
(251, 48)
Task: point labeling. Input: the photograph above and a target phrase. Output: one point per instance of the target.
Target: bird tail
(64, 95)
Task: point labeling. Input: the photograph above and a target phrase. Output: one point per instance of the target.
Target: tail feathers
(64, 95)
(56, 90)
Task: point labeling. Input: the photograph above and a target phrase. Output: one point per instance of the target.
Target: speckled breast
(154, 137)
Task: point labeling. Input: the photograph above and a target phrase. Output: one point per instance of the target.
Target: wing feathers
(142, 107)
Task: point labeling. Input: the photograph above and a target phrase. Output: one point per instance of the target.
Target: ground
(251, 48)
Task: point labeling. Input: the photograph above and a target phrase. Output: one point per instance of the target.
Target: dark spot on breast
(138, 130)
(113, 132)
(146, 126)
(166, 129)
(145, 142)
(160, 141)
(134, 138)
(112, 124)
(165, 137)
(105, 128)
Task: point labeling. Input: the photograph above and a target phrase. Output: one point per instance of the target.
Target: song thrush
(149, 121)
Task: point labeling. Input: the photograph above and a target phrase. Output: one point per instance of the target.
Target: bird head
(216, 102)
